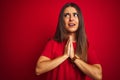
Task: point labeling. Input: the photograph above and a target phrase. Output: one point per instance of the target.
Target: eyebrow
(72, 13)
(65, 14)
(75, 13)
(69, 13)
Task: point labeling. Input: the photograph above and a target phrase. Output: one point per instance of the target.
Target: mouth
(71, 24)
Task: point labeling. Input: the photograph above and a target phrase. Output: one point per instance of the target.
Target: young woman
(67, 56)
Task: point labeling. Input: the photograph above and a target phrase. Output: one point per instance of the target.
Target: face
(71, 19)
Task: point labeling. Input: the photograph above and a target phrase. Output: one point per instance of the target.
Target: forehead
(70, 10)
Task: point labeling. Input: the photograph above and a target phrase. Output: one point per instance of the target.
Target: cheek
(65, 22)
(77, 21)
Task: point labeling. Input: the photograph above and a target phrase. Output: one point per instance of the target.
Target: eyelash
(67, 14)
(75, 14)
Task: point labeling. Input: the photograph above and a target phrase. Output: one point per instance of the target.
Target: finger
(68, 47)
(70, 38)
(67, 42)
(71, 46)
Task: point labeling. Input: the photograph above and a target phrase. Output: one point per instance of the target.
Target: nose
(71, 18)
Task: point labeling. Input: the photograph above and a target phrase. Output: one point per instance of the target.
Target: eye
(66, 15)
(75, 14)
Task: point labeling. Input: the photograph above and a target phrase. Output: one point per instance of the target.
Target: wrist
(66, 56)
(74, 58)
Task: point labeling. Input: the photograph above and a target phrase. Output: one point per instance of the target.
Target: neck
(73, 37)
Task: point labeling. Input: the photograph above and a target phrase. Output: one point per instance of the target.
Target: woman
(67, 56)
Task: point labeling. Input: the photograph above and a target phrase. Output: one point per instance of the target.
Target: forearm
(46, 66)
(92, 71)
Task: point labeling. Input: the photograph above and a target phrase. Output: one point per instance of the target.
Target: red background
(26, 25)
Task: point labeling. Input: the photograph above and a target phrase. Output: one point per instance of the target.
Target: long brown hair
(81, 39)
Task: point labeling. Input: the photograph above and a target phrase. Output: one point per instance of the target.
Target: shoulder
(51, 42)
(92, 55)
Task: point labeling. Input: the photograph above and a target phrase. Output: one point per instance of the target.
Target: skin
(45, 64)
(71, 17)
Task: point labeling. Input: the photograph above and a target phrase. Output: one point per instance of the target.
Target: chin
(72, 31)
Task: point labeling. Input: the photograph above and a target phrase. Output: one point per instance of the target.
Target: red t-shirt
(66, 70)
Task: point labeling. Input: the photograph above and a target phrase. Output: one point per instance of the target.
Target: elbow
(37, 71)
(98, 73)
(99, 76)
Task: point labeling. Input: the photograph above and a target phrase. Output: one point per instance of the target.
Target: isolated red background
(26, 26)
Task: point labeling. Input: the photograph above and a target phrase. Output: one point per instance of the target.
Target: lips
(71, 24)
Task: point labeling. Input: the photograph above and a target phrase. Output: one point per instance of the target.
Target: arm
(45, 64)
(94, 71)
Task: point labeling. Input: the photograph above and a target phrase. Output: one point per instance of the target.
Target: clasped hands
(69, 49)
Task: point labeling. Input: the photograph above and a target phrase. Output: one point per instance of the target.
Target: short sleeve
(92, 56)
(48, 49)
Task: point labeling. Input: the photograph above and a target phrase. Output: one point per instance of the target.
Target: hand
(67, 48)
(71, 55)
